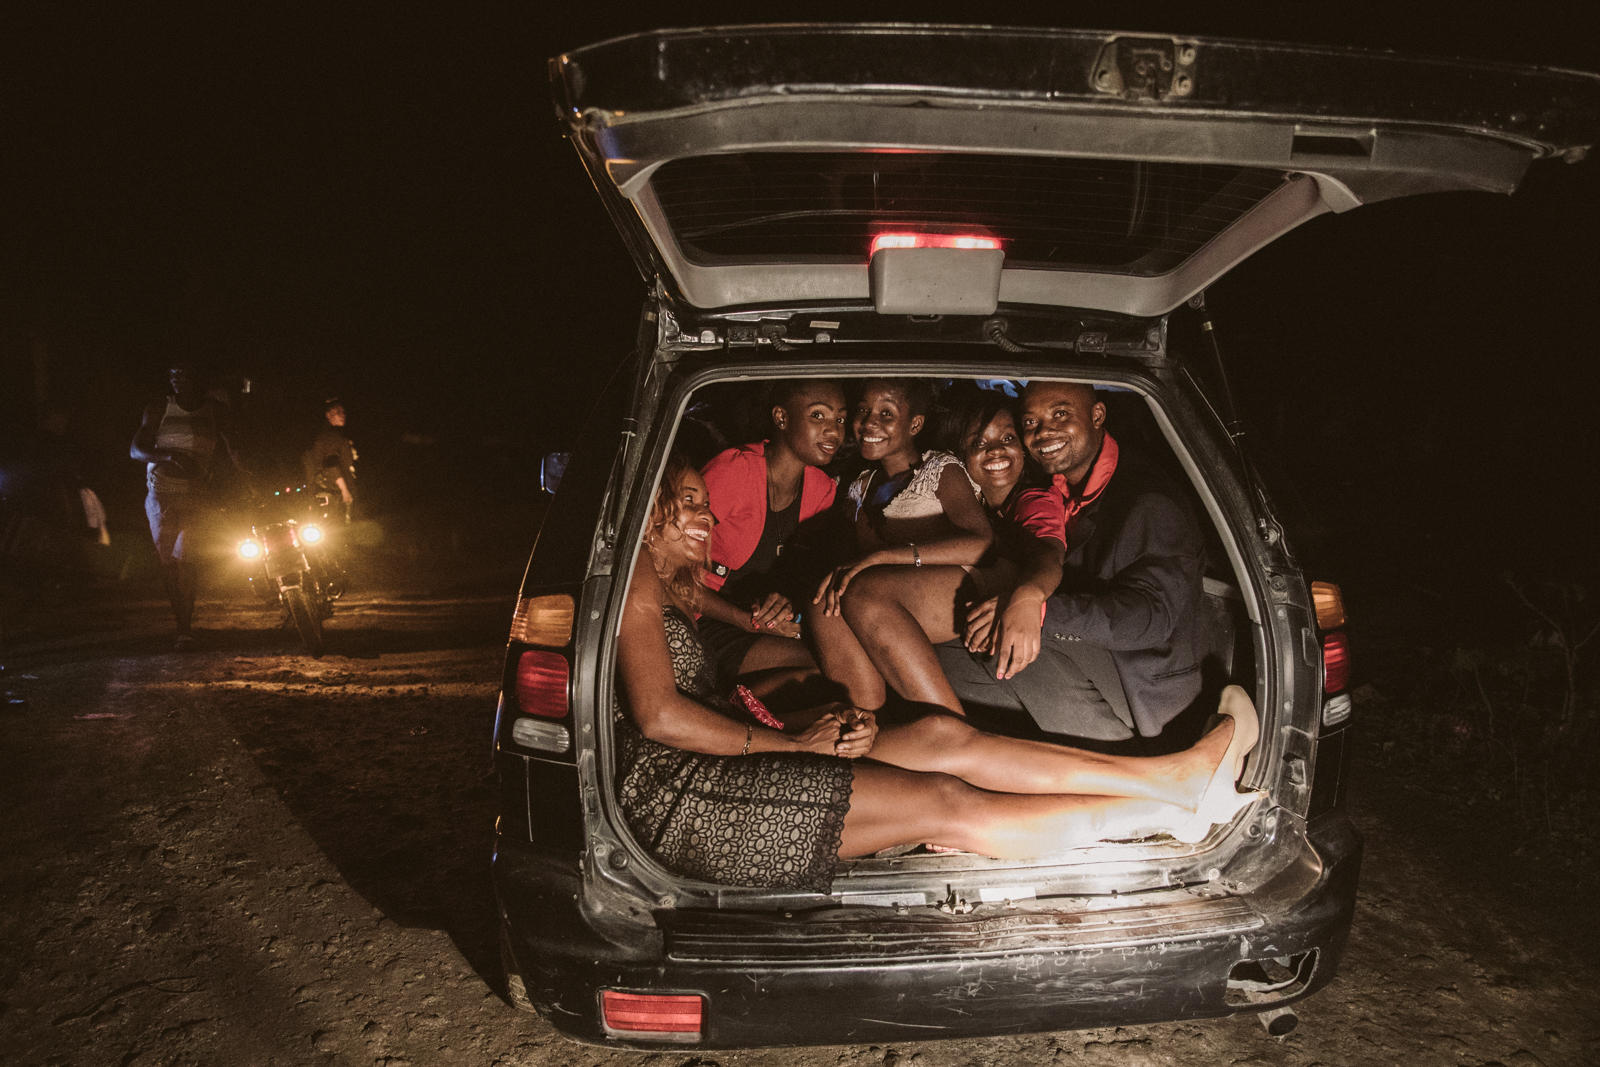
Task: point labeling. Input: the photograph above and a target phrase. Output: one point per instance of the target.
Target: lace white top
(920, 497)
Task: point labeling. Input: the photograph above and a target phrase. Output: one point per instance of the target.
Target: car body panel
(853, 974)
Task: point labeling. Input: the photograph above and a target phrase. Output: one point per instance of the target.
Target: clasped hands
(841, 730)
(775, 615)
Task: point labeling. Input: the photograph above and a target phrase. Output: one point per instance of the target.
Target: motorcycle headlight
(310, 534)
(249, 549)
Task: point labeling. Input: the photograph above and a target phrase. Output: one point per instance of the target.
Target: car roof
(754, 166)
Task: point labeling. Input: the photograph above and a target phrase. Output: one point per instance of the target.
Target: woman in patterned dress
(715, 796)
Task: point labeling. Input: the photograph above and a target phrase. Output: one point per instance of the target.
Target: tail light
(543, 620)
(1335, 663)
(541, 688)
(542, 684)
(543, 675)
(1328, 602)
(672, 1017)
(932, 240)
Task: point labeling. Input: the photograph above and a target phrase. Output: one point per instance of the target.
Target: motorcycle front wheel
(305, 618)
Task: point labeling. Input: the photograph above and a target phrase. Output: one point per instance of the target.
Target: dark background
(376, 202)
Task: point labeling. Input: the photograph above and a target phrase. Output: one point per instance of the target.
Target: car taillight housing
(1328, 602)
(542, 704)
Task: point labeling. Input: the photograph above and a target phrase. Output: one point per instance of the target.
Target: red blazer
(737, 481)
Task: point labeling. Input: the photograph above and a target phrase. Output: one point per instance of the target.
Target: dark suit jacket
(1132, 587)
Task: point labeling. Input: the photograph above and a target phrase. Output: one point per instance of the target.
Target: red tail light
(542, 684)
(1335, 663)
(651, 1013)
(932, 240)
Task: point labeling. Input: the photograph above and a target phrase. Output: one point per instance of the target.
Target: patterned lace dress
(767, 819)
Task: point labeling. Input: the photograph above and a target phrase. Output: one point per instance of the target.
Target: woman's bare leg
(952, 746)
(897, 614)
(844, 661)
(892, 806)
(768, 653)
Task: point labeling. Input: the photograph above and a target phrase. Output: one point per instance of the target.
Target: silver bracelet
(749, 732)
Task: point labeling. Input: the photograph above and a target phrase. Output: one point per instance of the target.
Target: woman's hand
(821, 736)
(981, 618)
(775, 615)
(1016, 644)
(789, 627)
(830, 594)
(857, 735)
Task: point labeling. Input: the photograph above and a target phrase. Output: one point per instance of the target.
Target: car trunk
(698, 377)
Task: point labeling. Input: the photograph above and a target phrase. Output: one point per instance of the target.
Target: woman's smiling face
(687, 537)
(993, 456)
(884, 424)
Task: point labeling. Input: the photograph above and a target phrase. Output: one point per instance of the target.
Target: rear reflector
(1329, 604)
(542, 735)
(1335, 663)
(652, 1013)
(542, 684)
(543, 620)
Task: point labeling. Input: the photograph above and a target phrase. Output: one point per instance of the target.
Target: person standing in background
(181, 442)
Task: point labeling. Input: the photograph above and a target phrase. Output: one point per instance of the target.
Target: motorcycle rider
(181, 441)
(330, 462)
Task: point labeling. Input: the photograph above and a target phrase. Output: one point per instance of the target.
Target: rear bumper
(849, 978)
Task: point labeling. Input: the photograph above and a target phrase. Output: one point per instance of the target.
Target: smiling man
(1121, 643)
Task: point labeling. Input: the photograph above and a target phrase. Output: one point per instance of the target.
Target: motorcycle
(293, 562)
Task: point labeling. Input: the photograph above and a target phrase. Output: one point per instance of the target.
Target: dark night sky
(327, 198)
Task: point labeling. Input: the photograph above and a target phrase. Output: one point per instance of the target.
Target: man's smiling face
(1063, 425)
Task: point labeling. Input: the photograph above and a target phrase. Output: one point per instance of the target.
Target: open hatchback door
(755, 166)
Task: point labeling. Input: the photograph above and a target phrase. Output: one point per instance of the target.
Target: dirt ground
(245, 855)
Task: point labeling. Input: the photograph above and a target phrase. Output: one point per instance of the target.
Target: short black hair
(917, 391)
(782, 392)
(960, 406)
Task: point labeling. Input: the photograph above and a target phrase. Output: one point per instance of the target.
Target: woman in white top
(919, 529)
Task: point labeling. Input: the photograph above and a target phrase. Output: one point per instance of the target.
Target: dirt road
(245, 855)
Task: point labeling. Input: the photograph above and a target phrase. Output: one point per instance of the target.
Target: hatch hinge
(1144, 68)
